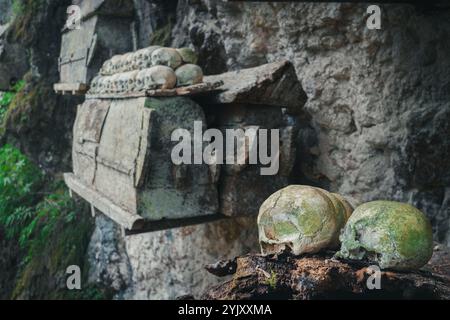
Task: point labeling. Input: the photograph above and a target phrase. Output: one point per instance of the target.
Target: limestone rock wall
(379, 100)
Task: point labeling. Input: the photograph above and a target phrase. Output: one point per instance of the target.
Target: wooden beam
(128, 220)
(75, 89)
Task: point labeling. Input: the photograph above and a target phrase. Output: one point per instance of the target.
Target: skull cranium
(95, 85)
(140, 81)
(160, 77)
(132, 75)
(146, 61)
(166, 57)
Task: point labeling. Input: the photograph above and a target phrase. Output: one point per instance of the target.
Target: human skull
(140, 81)
(109, 84)
(131, 85)
(115, 83)
(189, 74)
(107, 68)
(147, 56)
(302, 218)
(104, 85)
(121, 64)
(114, 65)
(94, 88)
(138, 57)
(188, 55)
(166, 57)
(392, 234)
(143, 58)
(160, 77)
(123, 83)
(129, 62)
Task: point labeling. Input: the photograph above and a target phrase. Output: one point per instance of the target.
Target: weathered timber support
(315, 277)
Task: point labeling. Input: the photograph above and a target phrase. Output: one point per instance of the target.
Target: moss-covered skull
(188, 55)
(189, 74)
(302, 218)
(166, 57)
(394, 235)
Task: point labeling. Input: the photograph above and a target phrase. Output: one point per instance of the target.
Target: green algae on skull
(302, 218)
(189, 74)
(188, 55)
(392, 234)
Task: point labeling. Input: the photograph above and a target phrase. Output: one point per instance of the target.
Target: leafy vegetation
(162, 36)
(19, 181)
(8, 97)
(52, 230)
(24, 12)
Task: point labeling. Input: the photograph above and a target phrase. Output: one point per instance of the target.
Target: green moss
(24, 12)
(8, 97)
(162, 36)
(272, 281)
(53, 232)
(20, 179)
(56, 237)
(395, 235)
(309, 220)
(27, 106)
(285, 228)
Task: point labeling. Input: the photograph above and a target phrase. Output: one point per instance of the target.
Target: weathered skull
(129, 62)
(107, 68)
(140, 81)
(302, 218)
(94, 88)
(146, 61)
(160, 77)
(104, 85)
(115, 64)
(131, 85)
(123, 83)
(109, 84)
(115, 83)
(392, 234)
(138, 58)
(100, 86)
(166, 57)
(189, 74)
(188, 55)
(122, 63)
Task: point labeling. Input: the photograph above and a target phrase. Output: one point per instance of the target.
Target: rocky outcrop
(165, 264)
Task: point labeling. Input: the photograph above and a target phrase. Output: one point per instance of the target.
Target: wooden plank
(197, 89)
(124, 218)
(326, 278)
(152, 226)
(71, 88)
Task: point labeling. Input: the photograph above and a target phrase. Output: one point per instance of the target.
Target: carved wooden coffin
(103, 32)
(122, 162)
(123, 148)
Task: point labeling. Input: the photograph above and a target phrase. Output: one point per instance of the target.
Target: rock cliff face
(376, 124)
(378, 99)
